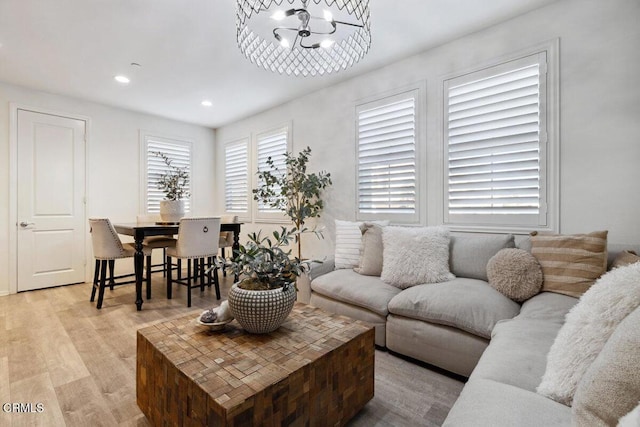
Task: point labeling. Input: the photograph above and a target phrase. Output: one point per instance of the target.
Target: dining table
(140, 230)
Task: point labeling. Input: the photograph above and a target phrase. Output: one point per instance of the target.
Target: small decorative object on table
(263, 299)
(216, 318)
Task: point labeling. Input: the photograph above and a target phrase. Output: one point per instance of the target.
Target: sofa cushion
(570, 263)
(470, 253)
(467, 304)
(350, 287)
(518, 351)
(611, 386)
(487, 403)
(415, 255)
(547, 306)
(587, 328)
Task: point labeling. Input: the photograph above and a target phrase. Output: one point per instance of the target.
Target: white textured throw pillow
(586, 330)
(415, 255)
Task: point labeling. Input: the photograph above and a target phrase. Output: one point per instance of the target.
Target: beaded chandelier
(303, 37)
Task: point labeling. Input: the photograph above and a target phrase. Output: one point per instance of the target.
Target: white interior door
(51, 192)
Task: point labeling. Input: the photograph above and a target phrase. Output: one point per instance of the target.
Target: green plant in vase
(174, 183)
(266, 292)
(294, 191)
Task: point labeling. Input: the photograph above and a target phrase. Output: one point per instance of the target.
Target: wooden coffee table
(316, 369)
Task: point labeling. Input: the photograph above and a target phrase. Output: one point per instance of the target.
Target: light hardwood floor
(58, 350)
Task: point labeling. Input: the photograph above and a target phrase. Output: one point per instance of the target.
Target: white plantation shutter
(495, 134)
(236, 172)
(179, 152)
(386, 132)
(272, 144)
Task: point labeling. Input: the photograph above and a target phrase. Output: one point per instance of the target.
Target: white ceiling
(187, 51)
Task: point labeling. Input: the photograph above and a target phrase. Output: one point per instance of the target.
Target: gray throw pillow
(611, 386)
(370, 250)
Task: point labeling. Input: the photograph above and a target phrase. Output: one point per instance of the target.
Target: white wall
(599, 116)
(113, 160)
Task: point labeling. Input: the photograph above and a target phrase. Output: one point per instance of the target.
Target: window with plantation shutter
(180, 154)
(236, 172)
(386, 134)
(271, 144)
(495, 145)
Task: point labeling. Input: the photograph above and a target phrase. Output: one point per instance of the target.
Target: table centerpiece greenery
(174, 183)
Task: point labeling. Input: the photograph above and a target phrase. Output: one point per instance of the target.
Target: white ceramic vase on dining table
(171, 210)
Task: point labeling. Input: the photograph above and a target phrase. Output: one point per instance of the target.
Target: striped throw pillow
(348, 239)
(570, 263)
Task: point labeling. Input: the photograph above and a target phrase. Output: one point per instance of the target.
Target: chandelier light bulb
(206, 103)
(285, 43)
(328, 15)
(326, 43)
(278, 15)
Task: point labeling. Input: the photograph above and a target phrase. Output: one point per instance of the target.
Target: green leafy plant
(263, 263)
(293, 191)
(175, 181)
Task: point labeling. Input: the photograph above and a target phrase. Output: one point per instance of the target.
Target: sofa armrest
(316, 269)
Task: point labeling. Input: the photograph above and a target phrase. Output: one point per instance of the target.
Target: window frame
(258, 215)
(242, 215)
(548, 150)
(145, 138)
(418, 92)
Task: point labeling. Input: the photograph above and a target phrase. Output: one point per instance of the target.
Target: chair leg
(96, 274)
(216, 283)
(209, 268)
(202, 273)
(188, 283)
(224, 271)
(179, 269)
(112, 264)
(196, 270)
(164, 262)
(169, 278)
(103, 277)
(149, 277)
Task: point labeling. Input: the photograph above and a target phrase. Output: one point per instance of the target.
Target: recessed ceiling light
(206, 103)
(122, 79)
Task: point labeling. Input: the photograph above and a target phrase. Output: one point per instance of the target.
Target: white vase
(171, 210)
(261, 312)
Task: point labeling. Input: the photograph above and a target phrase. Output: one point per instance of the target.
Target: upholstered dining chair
(198, 243)
(107, 248)
(226, 237)
(156, 242)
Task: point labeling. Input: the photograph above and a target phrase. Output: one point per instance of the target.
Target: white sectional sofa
(463, 326)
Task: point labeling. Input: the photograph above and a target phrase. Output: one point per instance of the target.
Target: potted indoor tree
(294, 191)
(265, 293)
(174, 183)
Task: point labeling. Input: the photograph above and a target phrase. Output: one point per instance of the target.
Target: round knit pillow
(515, 273)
